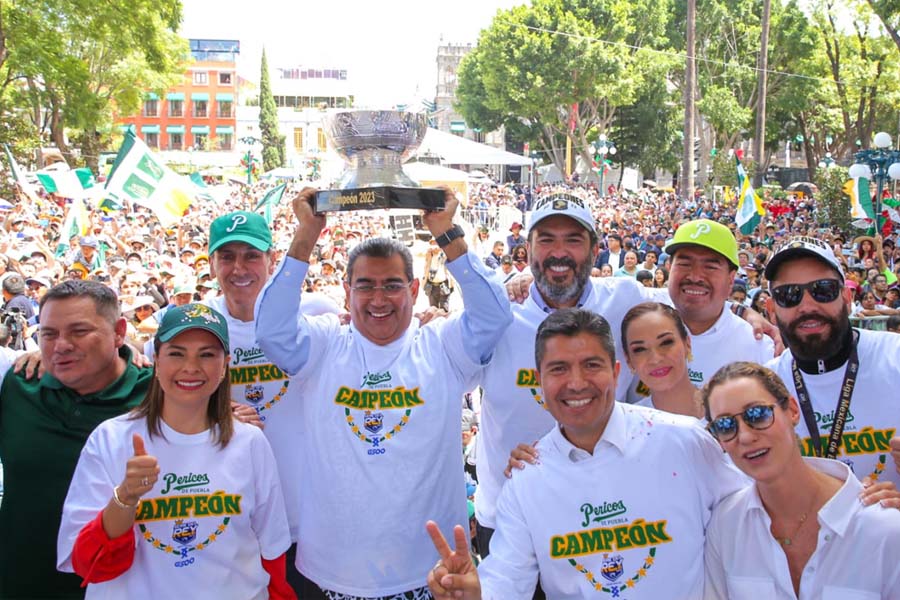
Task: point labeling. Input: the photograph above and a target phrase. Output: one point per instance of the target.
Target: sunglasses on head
(758, 416)
(822, 291)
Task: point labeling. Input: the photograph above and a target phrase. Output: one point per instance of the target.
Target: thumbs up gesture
(141, 473)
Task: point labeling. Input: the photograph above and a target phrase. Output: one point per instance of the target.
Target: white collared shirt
(627, 520)
(857, 556)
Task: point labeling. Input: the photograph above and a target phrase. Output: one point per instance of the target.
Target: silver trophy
(375, 144)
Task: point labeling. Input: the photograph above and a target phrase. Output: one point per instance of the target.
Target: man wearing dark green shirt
(45, 422)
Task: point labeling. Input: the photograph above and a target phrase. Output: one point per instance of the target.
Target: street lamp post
(249, 140)
(599, 150)
(882, 163)
(827, 162)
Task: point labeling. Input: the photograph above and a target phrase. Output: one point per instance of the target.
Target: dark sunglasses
(821, 290)
(758, 416)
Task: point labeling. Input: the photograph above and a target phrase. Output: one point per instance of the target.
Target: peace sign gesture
(454, 576)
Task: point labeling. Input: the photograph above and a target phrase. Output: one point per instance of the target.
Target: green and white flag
(749, 209)
(271, 198)
(139, 175)
(72, 183)
(860, 199)
(19, 175)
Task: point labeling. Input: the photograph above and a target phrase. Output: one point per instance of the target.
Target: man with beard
(845, 379)
(562, 247)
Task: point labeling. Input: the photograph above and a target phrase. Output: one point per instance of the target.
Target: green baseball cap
(241, 226)
(179, 319)
(706, 234)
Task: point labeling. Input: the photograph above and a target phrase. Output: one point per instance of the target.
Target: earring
(690, 356)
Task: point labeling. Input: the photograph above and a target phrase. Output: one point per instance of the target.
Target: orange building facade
(199, 114)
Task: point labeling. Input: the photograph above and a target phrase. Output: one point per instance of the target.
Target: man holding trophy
(381, 397)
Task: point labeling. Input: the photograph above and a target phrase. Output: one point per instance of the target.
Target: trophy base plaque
(380, 197)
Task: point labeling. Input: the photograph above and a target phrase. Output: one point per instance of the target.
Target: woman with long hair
(661, 277)
(658, 348)
(796, 531)
(176, 498)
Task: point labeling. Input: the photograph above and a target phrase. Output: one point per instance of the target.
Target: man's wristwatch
(448, 236)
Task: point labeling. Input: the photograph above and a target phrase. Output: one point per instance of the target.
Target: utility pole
(759, 140)
(687, 163)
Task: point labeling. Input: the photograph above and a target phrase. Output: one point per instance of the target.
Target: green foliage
(523, 72)
(272, 142)
(70, 65)
(648, 132)
(832, 203)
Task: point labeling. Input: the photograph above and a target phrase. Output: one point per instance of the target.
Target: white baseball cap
(565, 204)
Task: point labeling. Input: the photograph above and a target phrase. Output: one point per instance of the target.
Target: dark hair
(645, 308)
(571, 322)
(767, 378)
(105, 300)
(893, 322)
(614, 236)
(737, 287)
(218, 408)
(381, 248)
(643, 275)
(665, 273)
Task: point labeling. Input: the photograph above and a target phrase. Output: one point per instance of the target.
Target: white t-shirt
(257, 382)
(874, 414)
(857, 555)
(378, 423)
(729, 340)
(512, 410)
(627, 521)
(201, 532)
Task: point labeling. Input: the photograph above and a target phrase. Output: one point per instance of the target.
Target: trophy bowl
(375, 144)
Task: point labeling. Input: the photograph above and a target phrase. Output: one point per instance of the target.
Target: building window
(200, 108)
(176, 108)
(176, 141)
(200, 141)
(152, 140)
(224, 109)
(201, 78)
(224, 78)
(151, 108)
(298, 139)
(225, 140)
(322, 142)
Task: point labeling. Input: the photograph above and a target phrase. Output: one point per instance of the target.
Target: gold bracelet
(121, 504)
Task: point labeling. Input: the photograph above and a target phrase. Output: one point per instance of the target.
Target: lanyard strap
(840, 413)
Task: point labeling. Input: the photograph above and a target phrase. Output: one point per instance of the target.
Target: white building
(302, 96)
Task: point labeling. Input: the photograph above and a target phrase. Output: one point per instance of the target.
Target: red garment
(97, 558)
(279, 589)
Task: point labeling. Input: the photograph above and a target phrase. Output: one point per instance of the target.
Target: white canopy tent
(455, 150)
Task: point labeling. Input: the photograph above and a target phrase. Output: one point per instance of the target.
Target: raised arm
(282, 335)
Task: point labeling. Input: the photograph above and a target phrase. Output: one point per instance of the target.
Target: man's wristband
(121, 504)
(448, 236)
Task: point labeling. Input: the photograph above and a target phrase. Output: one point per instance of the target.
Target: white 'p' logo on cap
(702, 229)
(236, 221)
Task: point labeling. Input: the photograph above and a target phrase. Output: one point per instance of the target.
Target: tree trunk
(687, 163)
(759, 141)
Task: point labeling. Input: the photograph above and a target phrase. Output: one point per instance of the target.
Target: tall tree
(535, 63)
(272, 141)
(78, 64)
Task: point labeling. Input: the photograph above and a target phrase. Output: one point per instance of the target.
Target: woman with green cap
(177, 498)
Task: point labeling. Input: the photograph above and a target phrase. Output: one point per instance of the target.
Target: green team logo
(527, 378)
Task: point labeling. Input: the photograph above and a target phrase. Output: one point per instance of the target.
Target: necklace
(787, 541)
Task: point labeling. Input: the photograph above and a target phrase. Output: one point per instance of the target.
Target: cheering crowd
(227, 407)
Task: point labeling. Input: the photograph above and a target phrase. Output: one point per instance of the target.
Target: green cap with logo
(706, 234)
(179, 319)
(241, 226)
